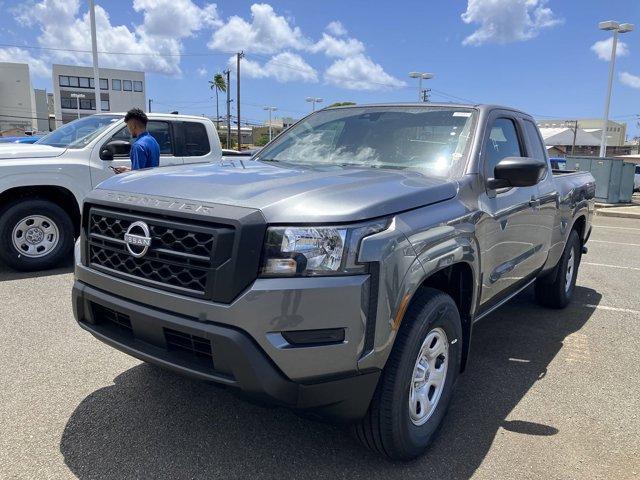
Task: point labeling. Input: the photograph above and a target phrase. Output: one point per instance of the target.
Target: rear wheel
(35, 235)
(555, 290)
(416, 386)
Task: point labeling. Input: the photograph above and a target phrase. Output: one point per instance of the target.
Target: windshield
(79, 133)
(435, 139)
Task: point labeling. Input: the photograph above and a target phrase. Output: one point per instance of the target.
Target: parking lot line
(612, 309)
(615, 228)
(615, 243)
(609, 266)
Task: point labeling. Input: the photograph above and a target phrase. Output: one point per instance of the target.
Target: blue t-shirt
(145, 152)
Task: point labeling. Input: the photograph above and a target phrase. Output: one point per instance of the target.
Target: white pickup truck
(42, 185)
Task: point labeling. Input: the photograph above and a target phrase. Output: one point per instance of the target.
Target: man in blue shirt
(145, 151)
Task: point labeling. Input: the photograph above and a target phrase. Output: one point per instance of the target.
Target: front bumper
(221, 353)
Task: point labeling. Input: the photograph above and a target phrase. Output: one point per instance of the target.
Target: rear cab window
(195, 139)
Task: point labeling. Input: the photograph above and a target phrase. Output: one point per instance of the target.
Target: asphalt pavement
(547, 395)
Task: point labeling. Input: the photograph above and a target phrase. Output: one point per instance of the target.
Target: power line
(104, 52)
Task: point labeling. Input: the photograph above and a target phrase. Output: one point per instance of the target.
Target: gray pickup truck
(341, 270)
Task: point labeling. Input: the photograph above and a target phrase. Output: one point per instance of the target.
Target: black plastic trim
(239, 362)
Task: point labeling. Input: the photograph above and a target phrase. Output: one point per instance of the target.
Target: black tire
(11, 217)
(551, 290)
(387, 428)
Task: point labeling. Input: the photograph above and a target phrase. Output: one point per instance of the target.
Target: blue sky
(532, 54)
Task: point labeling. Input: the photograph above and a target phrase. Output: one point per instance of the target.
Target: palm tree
(219, 85)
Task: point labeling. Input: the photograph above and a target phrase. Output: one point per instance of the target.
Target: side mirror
(517, 172)
(115, 148)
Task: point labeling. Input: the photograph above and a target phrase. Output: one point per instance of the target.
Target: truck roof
(160, 115)
(477, 106)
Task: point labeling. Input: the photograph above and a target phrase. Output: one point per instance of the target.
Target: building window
(92, 84)
(73, 82)
(104, 105)
(126, 85)
(137, 86)
(64, 81)
(67, 103)
(116, 84)
(104, 84)
(84, 82)
(86, 104)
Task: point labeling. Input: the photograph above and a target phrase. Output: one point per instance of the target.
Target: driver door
(510, 234)
(160, 130)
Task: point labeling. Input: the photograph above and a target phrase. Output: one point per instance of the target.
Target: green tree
(219, 85)
(341, 104)
(263, 140)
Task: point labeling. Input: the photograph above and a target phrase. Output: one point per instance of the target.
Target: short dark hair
(136, 114)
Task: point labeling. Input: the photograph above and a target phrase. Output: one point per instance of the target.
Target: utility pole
(150, 105)
(575, 133)
(227, 72)
(271, 110)
(239, 56)
(94, 51)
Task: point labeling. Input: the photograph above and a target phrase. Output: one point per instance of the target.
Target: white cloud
(180, 16)
(336, 28)
(504, 21)
(603, 49)
(37, 67)
(630, 80)
(360, 73)
(337, 47)
(266, 33)
(283, 67)
(152, 46)
(201, 71)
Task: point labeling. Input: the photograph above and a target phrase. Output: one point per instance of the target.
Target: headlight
(321, 250)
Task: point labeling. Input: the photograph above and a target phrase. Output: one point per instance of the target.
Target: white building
(120, 90)
(41, 110)
(616, 131)
(17, 101)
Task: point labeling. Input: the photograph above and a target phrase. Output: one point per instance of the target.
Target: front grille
(119, 320)
(183, 348)
(197, 346)
(180, 258)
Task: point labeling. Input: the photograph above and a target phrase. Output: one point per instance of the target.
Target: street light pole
(421, 76)
(617, 28)
(94, 51)
(77, 96)
(313, 101)
(270, 109)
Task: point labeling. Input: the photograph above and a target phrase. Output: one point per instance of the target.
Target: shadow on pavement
(155, 424)
(7, 274)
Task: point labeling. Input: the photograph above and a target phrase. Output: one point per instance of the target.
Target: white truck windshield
(79, 133)
(434, 139)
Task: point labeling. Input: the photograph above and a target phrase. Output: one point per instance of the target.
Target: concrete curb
(613, 212)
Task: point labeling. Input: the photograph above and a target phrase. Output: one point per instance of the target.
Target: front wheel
(556, 289)
(416, 385)
(35, 235)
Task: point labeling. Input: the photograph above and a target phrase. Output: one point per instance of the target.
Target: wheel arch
(61, 196)
(457, 280)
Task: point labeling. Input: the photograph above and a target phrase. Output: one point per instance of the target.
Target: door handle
(534, 203)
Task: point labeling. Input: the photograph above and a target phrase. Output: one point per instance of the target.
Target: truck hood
(28, 150)
(291, 194)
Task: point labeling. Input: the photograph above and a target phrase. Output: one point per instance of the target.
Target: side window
(196, 140)
(537, 148)
(503, 142)
(162, 133)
